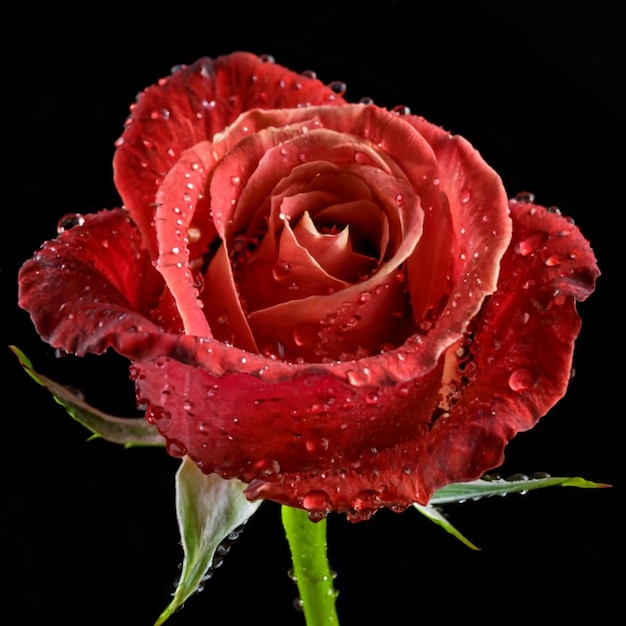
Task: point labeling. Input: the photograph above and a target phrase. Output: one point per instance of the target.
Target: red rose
(333, 302)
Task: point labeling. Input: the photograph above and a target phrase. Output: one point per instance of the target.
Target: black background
(88, 529)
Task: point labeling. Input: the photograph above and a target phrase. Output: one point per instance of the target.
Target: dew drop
(303, 334)
(553, 260)
(401, 109)
(69, 221)
(525, 196)
(281, 270)
(358, 377)
(338, 87)
(465, 196)
(530, 244)
(316, 501)
(160, 114)
(194, 234)
(175, 448)
(521, 379)
(372, 398)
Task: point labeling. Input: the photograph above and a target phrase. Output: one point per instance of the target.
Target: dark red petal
(240, 426)
(521, 357)
(92, 287)
(192, 105)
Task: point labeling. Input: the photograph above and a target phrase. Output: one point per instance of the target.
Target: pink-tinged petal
(518, 367)
(192, 105)
(353, 322)
(93, 287)
(176, 200)
(369, 231)
(222, 305)
(294, 274)
(364, 135)
(333, 238)
(246, 175)
(357, 322)
(333, 252)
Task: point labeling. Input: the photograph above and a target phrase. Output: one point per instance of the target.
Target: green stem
(311, 572)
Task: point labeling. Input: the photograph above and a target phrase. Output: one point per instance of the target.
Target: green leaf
(476, 489)
(483, 488)
(434, 515)
(209, 509)
(129, 431)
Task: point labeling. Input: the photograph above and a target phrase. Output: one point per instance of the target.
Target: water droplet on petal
(304, 334)
(525, 196)
(530, 244)
(401, 109)
(281, 270)
(338, 87)
(316, 501)
(69, 221)
(160, 114)
(465, 196)
(175, 448)
(372, 398)
(521, 379)
(194, 234)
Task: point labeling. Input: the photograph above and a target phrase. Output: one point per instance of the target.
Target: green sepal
(128, 431)
(434, 515)
(476, 489)
(209, 510)
(484, 488)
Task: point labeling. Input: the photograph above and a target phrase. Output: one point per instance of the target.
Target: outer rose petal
(192, 105)
(519, 367)
(93, 287)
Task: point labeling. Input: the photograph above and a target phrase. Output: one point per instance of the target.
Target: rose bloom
(333, 302)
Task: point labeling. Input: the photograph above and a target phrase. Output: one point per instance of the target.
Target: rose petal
(253, 429)
(93, 287)
(176, 199)
(192, 105)
(521, 356)
(359, 321)
(223, 306)
(357, 318)
(471, 215)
